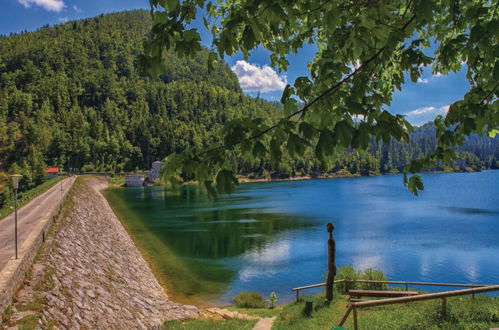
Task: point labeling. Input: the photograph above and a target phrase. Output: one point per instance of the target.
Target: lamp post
(15, 184)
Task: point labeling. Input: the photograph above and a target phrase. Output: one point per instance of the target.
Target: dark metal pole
(15, 221)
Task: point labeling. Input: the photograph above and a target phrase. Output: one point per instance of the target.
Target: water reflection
(271, 236)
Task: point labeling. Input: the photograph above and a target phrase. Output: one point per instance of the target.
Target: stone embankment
(90, 274)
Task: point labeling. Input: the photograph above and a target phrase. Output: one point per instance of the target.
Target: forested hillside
(72, 96)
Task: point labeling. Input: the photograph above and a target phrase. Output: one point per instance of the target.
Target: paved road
(28, 219)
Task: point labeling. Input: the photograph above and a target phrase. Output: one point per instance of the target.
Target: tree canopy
(365, 51)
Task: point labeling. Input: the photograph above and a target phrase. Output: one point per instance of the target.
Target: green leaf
(415, 184)
(307, 130)
(424, 10)
(226, 181)
(259, 149)
(290, 107)
(275, 151)
(248, 37)
(296, 145)
(286, 94)
(171, 5)
(332, 19)
(325, 145)
(212, 193)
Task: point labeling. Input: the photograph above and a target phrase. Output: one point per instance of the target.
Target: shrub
(272, 299)
(346, 273)
(374, 275)
(248, 299)
(349, 273)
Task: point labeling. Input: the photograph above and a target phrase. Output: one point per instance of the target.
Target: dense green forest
(72, 96)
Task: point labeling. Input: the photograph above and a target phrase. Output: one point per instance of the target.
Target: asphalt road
(28, 217)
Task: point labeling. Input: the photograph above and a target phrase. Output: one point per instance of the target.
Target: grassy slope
(28, 196)
(462, 313)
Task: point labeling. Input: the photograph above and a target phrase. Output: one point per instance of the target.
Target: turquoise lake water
(272, 236)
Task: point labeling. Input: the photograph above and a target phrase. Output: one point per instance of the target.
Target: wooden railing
(406, 283)
(310, 287)
(353, 307)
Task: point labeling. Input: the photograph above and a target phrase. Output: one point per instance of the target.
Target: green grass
(261, 312)
(117, 180)
(462, 313)
(234, 324)
(25, 197)
(29, 322)
(37, 304)
(248, 299)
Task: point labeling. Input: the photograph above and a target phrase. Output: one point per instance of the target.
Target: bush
(247, 299)
(349, 273)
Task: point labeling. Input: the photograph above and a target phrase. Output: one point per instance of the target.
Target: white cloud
(63, 19)
(429, 110)
(50, 5)
(423, 115)
(254, 78)
(422, 81)
(76, 9)
(438, 75)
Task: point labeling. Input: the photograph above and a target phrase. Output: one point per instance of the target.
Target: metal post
(297, 295)
(15, 221)
(355, 324)
(61, 188)
(406, 287)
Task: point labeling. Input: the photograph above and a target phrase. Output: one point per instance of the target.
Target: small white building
(155, 171)
(134, 180)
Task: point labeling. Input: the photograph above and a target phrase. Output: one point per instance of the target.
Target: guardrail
(353, 307)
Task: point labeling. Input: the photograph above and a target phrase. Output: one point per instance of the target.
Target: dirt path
(91, 275)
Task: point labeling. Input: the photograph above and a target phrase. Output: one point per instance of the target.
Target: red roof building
(52, 172)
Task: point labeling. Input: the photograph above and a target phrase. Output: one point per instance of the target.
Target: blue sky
(420, 101)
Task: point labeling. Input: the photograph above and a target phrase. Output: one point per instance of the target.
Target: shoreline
(178, 270)
(90, 274)
(338, 175)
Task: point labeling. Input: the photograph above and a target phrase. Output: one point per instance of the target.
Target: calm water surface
(272, 236)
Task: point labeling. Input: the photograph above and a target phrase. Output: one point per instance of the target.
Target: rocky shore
(89, 274)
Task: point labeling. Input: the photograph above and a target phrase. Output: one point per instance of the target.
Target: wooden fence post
(355, 323)
(331, 266)
(444, 307)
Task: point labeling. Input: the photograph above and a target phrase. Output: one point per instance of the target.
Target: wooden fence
(354, 306)
(406, 283)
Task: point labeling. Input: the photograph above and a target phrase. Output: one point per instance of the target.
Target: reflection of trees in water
(194, 226)
(187, 234)
(227, 232)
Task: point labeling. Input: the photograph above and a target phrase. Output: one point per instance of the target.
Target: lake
(272, 236)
